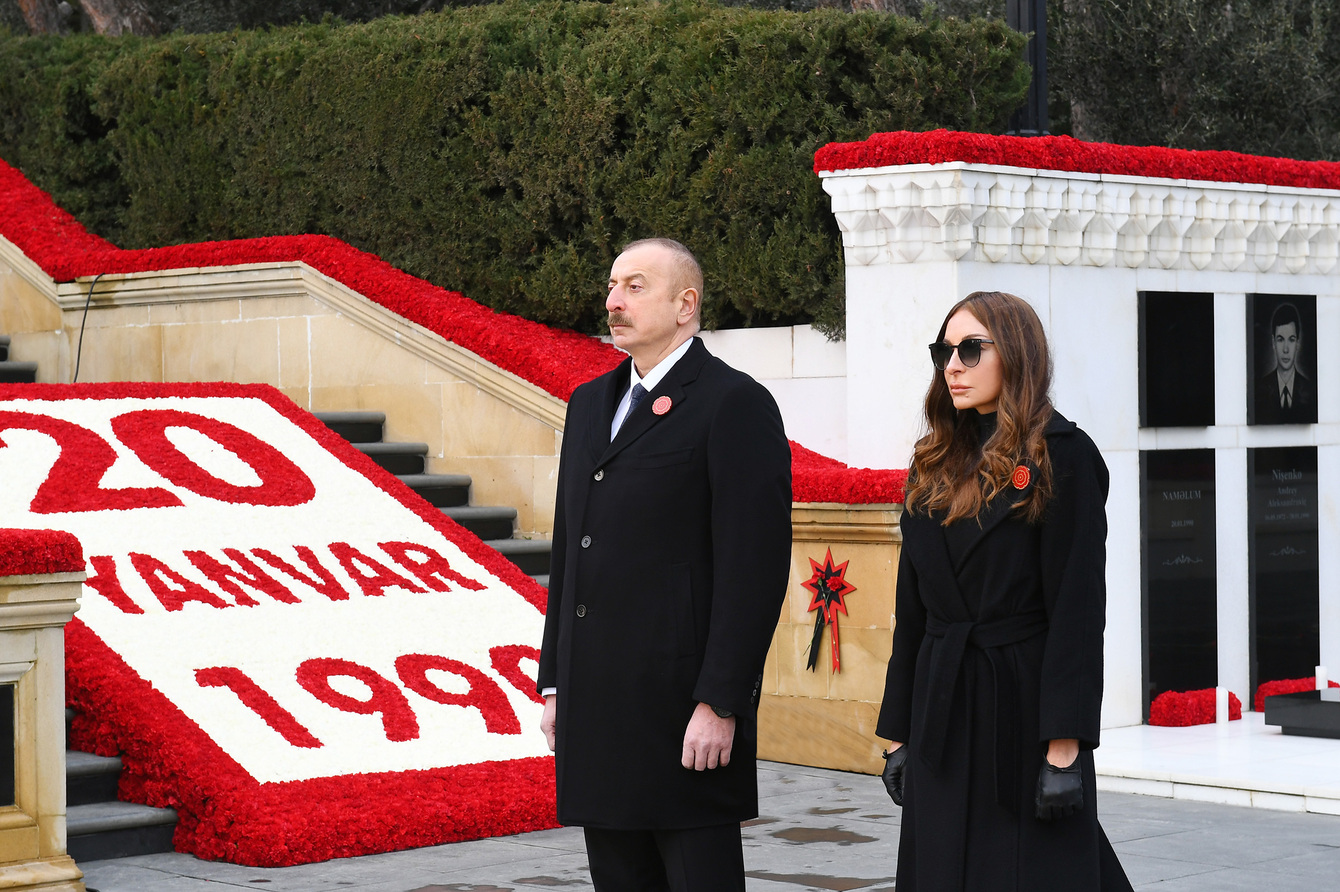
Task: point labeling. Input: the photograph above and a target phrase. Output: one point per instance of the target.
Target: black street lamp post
(1031, 16)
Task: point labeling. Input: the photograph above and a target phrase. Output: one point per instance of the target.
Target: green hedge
(508, 150)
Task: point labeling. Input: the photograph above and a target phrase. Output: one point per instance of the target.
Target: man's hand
(549, 719)
(708, 739)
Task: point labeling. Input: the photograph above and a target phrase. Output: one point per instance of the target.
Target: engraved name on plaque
(1178, 591)
(1282, 563)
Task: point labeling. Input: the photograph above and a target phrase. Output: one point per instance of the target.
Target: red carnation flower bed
(1284, 686)
(24, 552)
(1066, 153)
(168, 759)
(1179, 709)
(818, 478)
(555, 360)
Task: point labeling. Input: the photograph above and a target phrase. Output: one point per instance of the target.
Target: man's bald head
(688, 274)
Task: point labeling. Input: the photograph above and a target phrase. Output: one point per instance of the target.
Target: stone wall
(822, 717)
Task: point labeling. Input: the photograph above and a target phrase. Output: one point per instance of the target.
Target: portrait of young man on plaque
(1281, 368)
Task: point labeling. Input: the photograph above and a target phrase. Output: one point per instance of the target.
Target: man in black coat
(672, 543)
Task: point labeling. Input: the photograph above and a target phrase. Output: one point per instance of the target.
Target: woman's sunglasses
(969, 352)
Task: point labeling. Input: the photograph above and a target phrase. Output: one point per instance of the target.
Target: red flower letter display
(283, 642)
(830, 587)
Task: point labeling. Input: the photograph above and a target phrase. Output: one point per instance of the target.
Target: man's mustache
(619, 319)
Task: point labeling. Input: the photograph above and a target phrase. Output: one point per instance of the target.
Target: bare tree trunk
(117, 17)
(42, 16)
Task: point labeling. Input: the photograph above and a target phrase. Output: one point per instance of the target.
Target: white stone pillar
(34, 609)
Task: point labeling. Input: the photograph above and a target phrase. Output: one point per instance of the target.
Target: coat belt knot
(946, 666)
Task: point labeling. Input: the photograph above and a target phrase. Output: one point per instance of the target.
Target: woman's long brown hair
(951, 476)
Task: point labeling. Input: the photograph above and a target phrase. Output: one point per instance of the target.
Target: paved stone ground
(818, 830)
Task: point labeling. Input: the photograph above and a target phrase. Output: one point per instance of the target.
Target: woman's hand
(1060, 783)
(895, 759)
(1063, 751)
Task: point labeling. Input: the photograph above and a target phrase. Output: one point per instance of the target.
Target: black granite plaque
(1282, 563)
(1176, 359)
(1281, 362)
(1179, 597)
(7, 744)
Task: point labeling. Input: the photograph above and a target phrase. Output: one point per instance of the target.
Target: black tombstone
(1284, 588)
(1178, 591)
(1176, 359)
(7, 744)
(1282, 359)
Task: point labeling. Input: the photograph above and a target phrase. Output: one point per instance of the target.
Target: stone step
(530, 555)
(440, 490)
(118, 830)
(398, 458)
(449, 492)
(12, 372)
(356, 427)
(90, 778)
(484, 521)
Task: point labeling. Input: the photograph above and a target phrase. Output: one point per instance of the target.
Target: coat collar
(676, 385)
(996, 512)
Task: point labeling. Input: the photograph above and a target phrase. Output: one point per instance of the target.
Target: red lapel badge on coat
(830, 587)
(662, 405)
(1021, 477)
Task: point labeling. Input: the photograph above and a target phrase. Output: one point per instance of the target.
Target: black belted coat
(671, 550)
(995, 652)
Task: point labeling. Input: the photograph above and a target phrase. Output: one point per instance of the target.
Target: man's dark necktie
(639, 394)
(1284, 399)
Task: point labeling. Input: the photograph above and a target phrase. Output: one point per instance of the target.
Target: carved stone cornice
(960, 211)
(837, 522)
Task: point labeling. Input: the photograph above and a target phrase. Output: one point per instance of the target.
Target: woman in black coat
(994, 687)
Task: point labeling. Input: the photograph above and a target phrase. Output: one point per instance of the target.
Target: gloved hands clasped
(1060, 791)
(894, 764)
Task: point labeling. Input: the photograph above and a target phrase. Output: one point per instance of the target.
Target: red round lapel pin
(662, 405)
(1020, 477)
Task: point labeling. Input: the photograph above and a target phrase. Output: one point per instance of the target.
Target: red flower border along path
(555, 360)
(39, 552)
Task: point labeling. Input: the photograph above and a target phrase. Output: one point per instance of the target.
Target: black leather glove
(893, 773)
(1060, 791)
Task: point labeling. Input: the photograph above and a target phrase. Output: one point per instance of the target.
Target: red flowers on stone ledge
(1179, 709)
(818, 478)
(1283, 686)
(1065, 153)
(25, 552)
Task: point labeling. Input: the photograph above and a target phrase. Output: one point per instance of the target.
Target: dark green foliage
(48, 127)
(507, 151)
(1248, 75)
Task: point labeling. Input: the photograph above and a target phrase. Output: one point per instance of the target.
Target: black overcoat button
(581, 610)
(586, 542)
(600, 475)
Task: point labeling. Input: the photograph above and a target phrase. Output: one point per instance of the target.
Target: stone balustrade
(957, 212)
